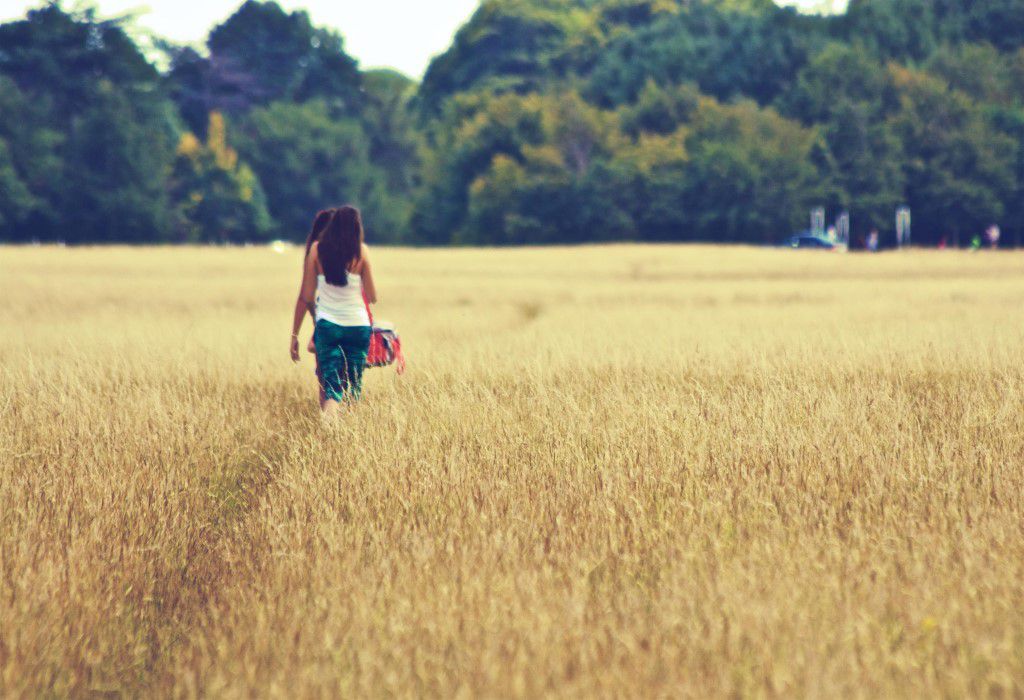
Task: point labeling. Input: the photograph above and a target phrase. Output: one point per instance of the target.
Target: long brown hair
(341, 244)
(319, 224)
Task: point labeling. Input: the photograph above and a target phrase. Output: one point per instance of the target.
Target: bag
(385, 344)
(385, 348)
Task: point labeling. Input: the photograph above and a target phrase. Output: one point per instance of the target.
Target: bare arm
(302, 304)
(308, 293)
(366, 273)
(299, 314)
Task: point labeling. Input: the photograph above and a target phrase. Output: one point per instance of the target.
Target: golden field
(615, 471)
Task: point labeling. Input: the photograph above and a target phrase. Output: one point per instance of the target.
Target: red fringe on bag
(385, 346)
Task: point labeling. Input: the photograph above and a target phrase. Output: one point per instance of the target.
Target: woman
(319, 223)
(336, 280)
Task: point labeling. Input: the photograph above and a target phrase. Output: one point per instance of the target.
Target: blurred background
(512, 121)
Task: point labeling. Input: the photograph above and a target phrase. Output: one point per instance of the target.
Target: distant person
(319, 224)
(873, 241)
(993, 234)
(337, 288)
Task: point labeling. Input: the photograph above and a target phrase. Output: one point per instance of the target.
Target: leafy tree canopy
(262, 54)
(545, 121)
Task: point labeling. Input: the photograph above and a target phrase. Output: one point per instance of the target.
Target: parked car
(806, 240)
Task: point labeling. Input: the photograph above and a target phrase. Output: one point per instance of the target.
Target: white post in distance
(818, 222)
(843, 229)
(903, 227)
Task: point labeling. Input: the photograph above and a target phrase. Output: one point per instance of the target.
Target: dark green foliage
(275, 55)
(1011, 122)
(307, 160)
(314, 132)
(30, 166)
(512, 46)
(678, 166)
(751, 176)
(998, 22)
(913, 29)
(563, 187)
(850, 95)
(190, 85)
(116, 156)
(262, 54)
(59, 59)
(978, 70)
(216, 198)
(725, 52)
(474, 130)
(389, 123)
(659, 110)
(546, 121)
(959, 169)
(892, 28)
(89, 133)
(16, 200)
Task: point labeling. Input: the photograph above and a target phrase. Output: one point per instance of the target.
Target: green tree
(652, 185)
(850, 95)
(727, 51)
(865, 166)
(996, 22)
(978, 70)
(474, 129)
(892, 28)
(751, 174)
(516, 46)
(546, 120)
(30, 167)
(285, 55)
(394, 137)
(916, 28)
(215, 197)
(100, 138)
(116, 161)
(1011, 122)
(307, 160)
(59, 58)
(262, 54)
(660, 110)
(16, 201)
(564, 190)
(958, 167)
(848, 73)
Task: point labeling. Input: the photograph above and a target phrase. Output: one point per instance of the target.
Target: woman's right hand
(295, 348)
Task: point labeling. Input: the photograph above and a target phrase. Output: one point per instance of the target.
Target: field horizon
(616, 470)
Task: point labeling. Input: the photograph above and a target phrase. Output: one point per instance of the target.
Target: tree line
(546, 121)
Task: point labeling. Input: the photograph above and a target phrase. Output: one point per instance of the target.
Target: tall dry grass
(611, 471)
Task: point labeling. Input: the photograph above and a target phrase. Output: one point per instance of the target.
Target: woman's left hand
(295, 348)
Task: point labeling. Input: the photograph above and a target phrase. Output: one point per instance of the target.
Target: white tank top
(342, 306)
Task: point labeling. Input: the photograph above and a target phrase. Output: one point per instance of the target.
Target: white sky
(402, 34)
